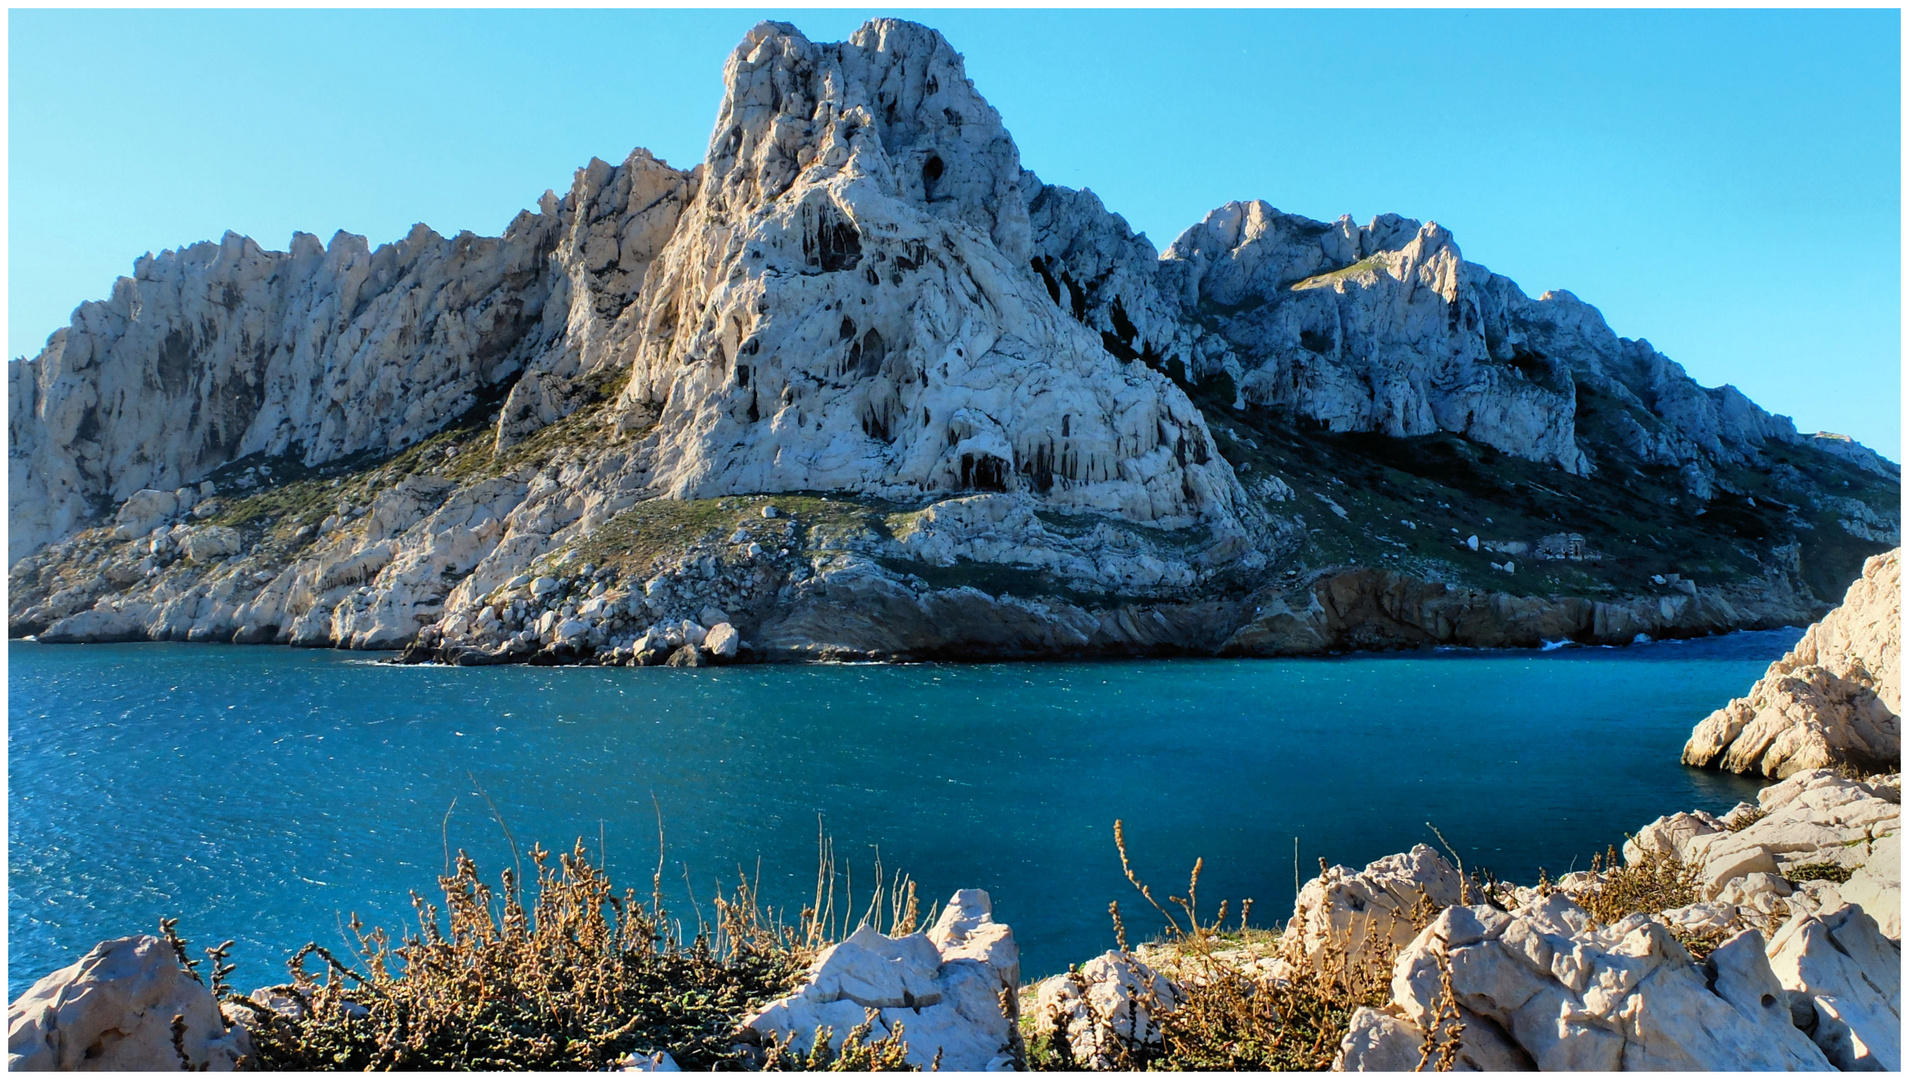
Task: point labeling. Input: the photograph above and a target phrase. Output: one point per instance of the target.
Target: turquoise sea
(265, 794)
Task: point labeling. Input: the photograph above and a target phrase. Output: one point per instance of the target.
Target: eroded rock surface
(113, 1011)
(1058, 441)
(1836, 698)
(950, 991)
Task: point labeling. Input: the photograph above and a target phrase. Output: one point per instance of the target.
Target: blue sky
(1723, 183)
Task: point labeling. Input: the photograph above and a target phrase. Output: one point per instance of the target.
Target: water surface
(265, 794)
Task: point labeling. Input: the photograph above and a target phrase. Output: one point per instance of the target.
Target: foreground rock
(1546, 983)
(1107, 1010)
(1813, 826)
(1836, 698)
(114, 1011)
(1845, 989)
(950, 991)
(1341, 915)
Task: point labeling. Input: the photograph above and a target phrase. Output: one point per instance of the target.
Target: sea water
(266, 794)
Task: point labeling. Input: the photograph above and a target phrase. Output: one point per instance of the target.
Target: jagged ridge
(861, 291)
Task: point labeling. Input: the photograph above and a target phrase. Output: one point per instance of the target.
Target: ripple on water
(265, 794)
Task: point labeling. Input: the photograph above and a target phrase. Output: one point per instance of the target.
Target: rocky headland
(859, 385)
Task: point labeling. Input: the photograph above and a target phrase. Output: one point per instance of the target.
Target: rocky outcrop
(847, 306)
(1341, 914)
(1545, 982)
(1813, 820)
(1844, 982)
(950, 992)
(222, 351)
(126, 1006)
(1368, 609)
(1836, 698)
(1040, 423)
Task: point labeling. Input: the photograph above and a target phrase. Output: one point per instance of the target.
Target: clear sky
(1723, 183)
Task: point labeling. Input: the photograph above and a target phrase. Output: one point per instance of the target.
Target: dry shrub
(579, 981)
(1233, 1015)
(1818, 871)
(1659, 882)
(857, 1054)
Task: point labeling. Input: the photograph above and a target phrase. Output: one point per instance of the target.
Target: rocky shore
(990, 419)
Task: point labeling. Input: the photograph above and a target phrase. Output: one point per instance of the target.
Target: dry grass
(580, 980)
(1658, 883)
(1233, 1014)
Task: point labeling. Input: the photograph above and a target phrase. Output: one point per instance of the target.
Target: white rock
(113, 1011)
(143, 511)
(1845, 983)
(652, 1061)
(543, 586)
(1625, 996)
(1836, 697)
(1876, 886)
(947, 1004)
(211, 542)
(1335, 911)
(1113, 1001)
(722, 640)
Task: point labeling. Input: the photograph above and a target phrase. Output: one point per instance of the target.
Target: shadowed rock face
(1040, 436)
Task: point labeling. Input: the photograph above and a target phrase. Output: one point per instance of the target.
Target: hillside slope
(860, 385)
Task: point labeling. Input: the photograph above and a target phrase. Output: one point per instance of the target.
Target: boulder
(944, 989)
(1836, 698)
(1814, 817)
(1111, 1004)
(722, 640)
(1845, 987)
(143, 511)
(1342, 910)
(1381, 1041)
(649, 1061)
(211, 542)
(687, 656)
(113, 1010)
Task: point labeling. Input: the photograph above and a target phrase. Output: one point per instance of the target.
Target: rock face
(1037, 435)
(1845, 987)
(114, 1010)
(224, 350)
(1834, 699)
(846, 305)
(1573, 996)
(945, 989)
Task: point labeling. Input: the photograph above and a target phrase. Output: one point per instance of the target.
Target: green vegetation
(1638, 516)
(1373, 263)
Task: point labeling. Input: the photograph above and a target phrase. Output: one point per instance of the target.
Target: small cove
(264, 794)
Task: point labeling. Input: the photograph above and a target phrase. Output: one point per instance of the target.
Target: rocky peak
(849, 304)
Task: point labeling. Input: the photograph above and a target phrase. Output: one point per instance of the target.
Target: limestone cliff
(861, 385)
